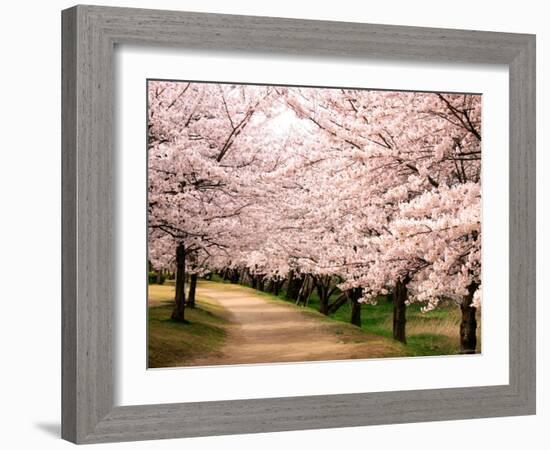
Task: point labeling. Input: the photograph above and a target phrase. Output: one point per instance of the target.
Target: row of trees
(367, 192)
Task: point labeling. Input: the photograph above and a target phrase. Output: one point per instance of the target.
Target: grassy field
(171, 342)
(428, 334)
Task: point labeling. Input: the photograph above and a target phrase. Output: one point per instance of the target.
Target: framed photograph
(335, 219)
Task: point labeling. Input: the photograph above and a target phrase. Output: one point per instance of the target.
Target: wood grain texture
(89, 36)
(68, 224)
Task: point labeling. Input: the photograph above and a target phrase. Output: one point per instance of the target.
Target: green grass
(173, 343)
(428, 333)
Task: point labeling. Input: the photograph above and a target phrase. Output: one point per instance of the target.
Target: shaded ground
(258, 329)
(171, 342)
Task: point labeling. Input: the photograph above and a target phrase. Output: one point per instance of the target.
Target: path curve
(264, 330)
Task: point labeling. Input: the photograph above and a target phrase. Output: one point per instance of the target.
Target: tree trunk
(293, 286)
(290, 281)
(400, 309)
(309, 290)
(235, 276)
(244, 276)
(323, 299)
(226, 273)
(276, 285)
(336, 304)
(192, 291)
(468, 323)
(178, 313)
(354, 296)
(324, 291)
(261, 283)
(303, 288)
(254, 282)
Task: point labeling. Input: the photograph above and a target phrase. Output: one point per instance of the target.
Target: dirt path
(266, 330)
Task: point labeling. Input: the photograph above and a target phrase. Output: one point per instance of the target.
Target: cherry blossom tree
(400, 146)
(196, 146)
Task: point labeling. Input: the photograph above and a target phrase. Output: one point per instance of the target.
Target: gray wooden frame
(89, 36)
